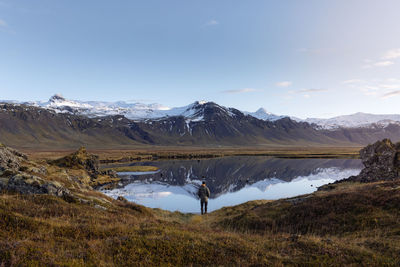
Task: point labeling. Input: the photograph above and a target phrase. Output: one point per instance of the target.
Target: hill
(352, 223)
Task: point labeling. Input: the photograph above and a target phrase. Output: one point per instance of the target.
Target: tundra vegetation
(51, 214)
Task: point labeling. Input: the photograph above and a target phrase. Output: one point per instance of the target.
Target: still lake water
(232, 180)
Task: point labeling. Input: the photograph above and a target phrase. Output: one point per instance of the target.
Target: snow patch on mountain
(263, 114)
(357, 120)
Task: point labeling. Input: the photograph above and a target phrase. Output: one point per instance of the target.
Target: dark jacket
(204, 193)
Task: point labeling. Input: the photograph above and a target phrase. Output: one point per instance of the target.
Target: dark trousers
(203, 204)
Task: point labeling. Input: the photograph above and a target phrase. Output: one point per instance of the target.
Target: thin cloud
(308, 92)
(390, 86)
(240, 91)
(211, 22)
(379, 64)
(382, 88)
(312, 90)
(353, 81)
(383, 63)
(391, 94)
(284, 84)
(392, 54)
(3, 23)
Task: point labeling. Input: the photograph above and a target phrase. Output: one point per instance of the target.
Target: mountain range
(62, 123)
(140, 111)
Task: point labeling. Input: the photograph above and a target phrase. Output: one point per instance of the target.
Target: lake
(232, 180)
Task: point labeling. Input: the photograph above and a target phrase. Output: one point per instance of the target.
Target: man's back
(203, 193)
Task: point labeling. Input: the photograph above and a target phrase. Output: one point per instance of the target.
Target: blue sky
(303, 58)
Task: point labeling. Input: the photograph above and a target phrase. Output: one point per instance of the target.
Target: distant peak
(57, 97)
(263, 110)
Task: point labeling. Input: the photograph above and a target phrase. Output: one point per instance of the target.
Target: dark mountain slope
(26, 126)
(365, 135)
(204, 124)
(212, 124)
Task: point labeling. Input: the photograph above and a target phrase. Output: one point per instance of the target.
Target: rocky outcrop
(30, 184)
(381, 161)
(81, 159)
(69, 178)
(16, 177)
(10, 160)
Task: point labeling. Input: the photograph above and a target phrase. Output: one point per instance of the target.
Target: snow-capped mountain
(195, 112)
(263, 114)
(134, 111)
(59, 104)
(356, 120)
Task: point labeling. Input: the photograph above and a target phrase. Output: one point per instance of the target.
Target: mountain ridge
(208, 125)
(68, 124)
(139, 111)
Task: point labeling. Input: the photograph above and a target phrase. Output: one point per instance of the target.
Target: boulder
(80, 160)
(381, 162)
(10, 160)
(30, 184)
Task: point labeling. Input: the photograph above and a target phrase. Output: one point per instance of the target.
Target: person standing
(204, 194)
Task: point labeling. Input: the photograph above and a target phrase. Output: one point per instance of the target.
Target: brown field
(184, 152)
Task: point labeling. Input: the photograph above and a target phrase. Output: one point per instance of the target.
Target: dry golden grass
(133, 169)
(157, 153)
(350, 225)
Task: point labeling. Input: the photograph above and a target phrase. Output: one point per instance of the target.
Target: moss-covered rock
(80, 159)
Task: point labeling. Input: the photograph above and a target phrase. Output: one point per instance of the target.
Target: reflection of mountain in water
(231, 174)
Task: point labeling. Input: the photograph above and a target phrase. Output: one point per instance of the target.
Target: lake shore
(232, 180)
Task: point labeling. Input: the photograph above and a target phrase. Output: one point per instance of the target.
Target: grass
(133, 169)
(50, 231)
(348, 209)
(349, 225)
(108, 156)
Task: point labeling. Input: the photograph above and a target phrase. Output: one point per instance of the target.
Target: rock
(80, 160)
(381, 162)
(30, 184)
(122, 199)
(10, 159)
(24, 184)
(83, 160)
(110, 173)
(3, 183)
(41, 170)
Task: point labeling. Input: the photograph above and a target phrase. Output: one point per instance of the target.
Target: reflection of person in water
(204, 194)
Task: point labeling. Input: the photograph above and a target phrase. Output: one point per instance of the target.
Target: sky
(310, 58)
